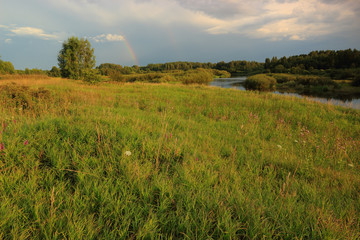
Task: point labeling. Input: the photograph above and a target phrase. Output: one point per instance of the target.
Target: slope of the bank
(120, 161)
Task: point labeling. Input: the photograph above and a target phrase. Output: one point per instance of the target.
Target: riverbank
(341, 93)
(167, 160)
(341, 90)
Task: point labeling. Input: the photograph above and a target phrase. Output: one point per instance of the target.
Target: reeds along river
(237, 83)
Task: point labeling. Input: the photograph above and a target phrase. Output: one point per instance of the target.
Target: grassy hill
(133, 161)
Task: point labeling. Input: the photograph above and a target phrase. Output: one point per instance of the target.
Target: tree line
(328, 62)
(240, 67)
(76, 60)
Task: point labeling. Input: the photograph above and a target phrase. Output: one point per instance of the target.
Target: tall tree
(76, 58)
(6, 67)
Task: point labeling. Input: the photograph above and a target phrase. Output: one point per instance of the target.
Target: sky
(139, 32)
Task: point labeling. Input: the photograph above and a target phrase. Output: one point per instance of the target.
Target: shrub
(6, 67)
(54, 72)
(22, 96)
(167, 78)
(260, 82)
(283, 78)
(198, 76)
(147, 77)
(302, 79)
(117, 76)
(91, 75)
(150, 77)
(313, 80)
(290, 84)
(220, 73)
(356, 81)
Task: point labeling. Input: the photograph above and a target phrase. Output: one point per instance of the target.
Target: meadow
(170, 161)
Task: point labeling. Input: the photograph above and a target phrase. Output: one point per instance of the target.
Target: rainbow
(131, 51)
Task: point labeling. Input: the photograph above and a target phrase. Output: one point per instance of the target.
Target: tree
(6, 67)
(76, 58)
(55, 72)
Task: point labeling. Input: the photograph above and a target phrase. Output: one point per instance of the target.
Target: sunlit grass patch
(172, 161)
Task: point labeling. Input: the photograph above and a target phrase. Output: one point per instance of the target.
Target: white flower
(127, 153)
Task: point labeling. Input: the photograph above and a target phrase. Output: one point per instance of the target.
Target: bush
(283, 78)
(150, 77)
(197, 76)
(22, 97)
(167, 78)
(91, 75)
(147, 77)
(54, 72)
(356, 81)
(220, 73)
(116, 76)
(260, 82)
(6, 68)
(313, 80)
(305, 80)
(291, 84)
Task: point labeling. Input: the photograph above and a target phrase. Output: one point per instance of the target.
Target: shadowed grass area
(120, 161)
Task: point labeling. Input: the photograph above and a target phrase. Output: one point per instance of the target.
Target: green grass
(205, 163)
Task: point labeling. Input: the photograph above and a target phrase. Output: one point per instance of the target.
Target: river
(237, 83)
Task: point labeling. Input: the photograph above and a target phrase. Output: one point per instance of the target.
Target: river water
(237, 83)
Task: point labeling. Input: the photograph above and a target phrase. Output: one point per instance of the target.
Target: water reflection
(237, 83)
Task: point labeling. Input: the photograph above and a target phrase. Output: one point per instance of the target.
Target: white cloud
(296, 38)
(269, 19)
(108, 38)
(275, 19)
(8, 40)
(114, 38)
(31, 31)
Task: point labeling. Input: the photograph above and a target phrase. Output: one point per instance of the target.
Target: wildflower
(296, 141)
(351, 165)
(26, 142)
(128, 153)
(279, 146)
(2, 147)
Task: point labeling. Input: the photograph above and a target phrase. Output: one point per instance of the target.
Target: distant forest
(242, 67)
(342, 64)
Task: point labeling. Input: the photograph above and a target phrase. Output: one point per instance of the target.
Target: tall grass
(112, 161)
